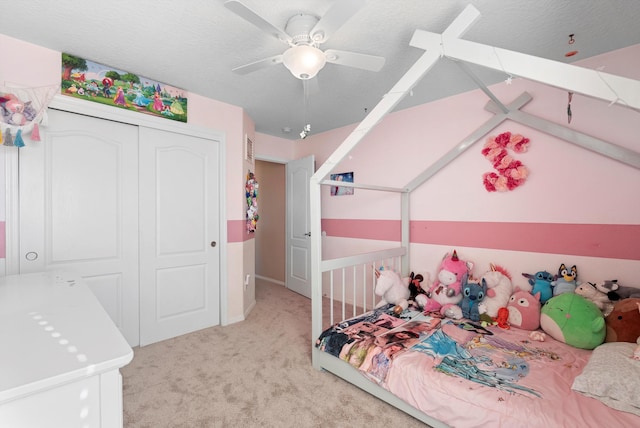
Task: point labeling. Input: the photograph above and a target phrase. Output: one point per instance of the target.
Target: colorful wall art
(99, 83)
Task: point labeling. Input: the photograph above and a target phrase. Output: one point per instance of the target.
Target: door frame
(284, 162)
(72, 105)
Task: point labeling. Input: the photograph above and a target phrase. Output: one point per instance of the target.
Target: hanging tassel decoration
(8, 140)
(35, 133)
(18, 142)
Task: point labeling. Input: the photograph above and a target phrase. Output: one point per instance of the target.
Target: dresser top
(53, 330)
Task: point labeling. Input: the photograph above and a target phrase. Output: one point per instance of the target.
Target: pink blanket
(552, 367)
(468, 376)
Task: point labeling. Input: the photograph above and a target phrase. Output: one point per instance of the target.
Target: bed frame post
(405, 224)
(316, 259)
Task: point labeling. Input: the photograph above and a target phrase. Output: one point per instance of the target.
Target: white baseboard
(275, 281)
(249, 309)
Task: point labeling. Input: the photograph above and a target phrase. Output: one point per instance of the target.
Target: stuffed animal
(616, 291)
(418, 287)
(15, 110)
(502, 319)
(392, 289)
(591, 292)
(444, 295)
(440, 300)
(524, 310)
(574, 320)
(472, 294)
(566, 280)
(623, 323)
(499, 289)
(541, 283)
(451, 271)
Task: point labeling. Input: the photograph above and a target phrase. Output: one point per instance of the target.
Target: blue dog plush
(566, 280)
(472, 294)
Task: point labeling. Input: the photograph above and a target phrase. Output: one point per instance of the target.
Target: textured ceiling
(194, 44)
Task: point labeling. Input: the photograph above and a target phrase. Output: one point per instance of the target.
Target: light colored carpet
(256, 373)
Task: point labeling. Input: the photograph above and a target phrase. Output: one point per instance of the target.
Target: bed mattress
(467, 375)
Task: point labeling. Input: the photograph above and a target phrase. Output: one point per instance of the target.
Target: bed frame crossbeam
(363, 186)
(593, 83)
(605, 148)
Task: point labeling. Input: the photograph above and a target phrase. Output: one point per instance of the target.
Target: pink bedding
(467, 377)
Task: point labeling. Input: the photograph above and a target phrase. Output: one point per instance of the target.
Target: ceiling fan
(304, 34)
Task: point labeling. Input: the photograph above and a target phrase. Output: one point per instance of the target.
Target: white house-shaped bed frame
(593, 83)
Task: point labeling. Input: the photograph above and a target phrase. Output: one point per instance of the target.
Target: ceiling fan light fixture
(304, 61)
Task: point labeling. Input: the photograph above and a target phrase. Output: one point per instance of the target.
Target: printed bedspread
(467, 376)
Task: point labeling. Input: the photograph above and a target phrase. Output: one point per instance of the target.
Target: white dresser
(60, 355)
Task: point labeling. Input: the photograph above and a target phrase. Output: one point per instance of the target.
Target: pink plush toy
(452, 269)
(444, 294)
(524, 310)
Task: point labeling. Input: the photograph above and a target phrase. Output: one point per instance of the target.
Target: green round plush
(574, 320)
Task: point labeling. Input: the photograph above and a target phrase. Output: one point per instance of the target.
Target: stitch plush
(472, 294)
(541, 283)
(524, 310)
(591, 292)
(499, 289)
(574, 320)
(392, 289)
(566, 280)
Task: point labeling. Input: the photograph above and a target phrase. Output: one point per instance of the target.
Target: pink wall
(273, 148)
(575, 202)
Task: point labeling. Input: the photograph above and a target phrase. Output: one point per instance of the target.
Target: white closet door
(179, 233)
(79, 209)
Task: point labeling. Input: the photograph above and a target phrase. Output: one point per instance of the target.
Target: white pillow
(612, 376)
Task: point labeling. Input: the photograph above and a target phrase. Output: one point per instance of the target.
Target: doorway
(270, 233)
(283, 240)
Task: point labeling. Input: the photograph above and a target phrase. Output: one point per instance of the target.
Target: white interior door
(298, 264)
(79, 209)
(179, 234)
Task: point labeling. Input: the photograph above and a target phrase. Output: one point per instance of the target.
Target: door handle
(307, 234)
(214, 243)
(31, 256)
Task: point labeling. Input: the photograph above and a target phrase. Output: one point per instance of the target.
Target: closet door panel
(79, 209)
(179, 230)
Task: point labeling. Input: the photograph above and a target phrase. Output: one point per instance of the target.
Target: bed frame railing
(348, 285)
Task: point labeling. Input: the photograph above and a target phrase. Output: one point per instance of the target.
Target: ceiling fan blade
(257, 65)
(353, 59)
(334, 18)
(249, 15)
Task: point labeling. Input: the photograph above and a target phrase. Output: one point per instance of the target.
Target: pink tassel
(35, 134)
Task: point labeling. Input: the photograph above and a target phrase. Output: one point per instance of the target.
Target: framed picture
(106, 85)
(248, 149)
(346, 177)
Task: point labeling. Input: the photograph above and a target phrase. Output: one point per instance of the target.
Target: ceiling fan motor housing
(299, 26)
